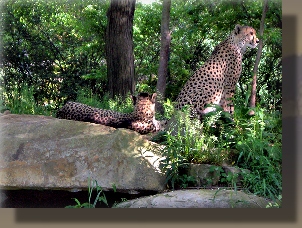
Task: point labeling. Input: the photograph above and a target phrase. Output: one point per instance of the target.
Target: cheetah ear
(153, 97)
(237, 29)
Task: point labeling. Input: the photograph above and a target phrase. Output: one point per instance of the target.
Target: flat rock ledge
(39, 152)
(202, 198)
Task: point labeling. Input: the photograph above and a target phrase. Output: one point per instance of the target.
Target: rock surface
(202, 198)
(203, 175)
(39, 152)
(210, 175)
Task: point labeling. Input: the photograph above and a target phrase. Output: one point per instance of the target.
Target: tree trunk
(119, 48)
(164, 55)
(254, 81)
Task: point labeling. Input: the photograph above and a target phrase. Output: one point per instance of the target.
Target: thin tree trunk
(254, 81)
(119, 47)
(164, 55)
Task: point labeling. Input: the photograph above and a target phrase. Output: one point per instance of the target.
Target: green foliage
(92, 185)
(173, 161)
(249, 143)
(259, 143)
(118, 104)
(54, 51)
(197, 27)
(51, 45)
(276, 204)
(22, 101)
(199, 142)
(100, 196)
(58, 46)
(190, 141)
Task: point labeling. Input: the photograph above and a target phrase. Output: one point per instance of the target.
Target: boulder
(203, 175)
(202, 198)
(39, 152)
(210, 175)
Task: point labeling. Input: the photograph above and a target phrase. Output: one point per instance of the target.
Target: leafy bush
(21, 100)
(189, 141)
(259, 146)
(252, 143)
(57, 47)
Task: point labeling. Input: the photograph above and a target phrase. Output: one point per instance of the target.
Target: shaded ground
(59, 198)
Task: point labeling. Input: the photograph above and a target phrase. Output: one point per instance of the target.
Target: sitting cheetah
(215, 81)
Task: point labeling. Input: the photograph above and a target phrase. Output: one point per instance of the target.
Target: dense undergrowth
(248, 142)
(251, 143)
(22, 101)
(36, 78)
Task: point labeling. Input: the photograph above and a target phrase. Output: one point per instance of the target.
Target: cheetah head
(144, 105)
(245, 36)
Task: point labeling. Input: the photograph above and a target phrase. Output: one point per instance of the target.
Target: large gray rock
(203, 198)
(39, 152)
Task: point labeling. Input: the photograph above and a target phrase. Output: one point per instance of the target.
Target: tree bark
(164, 55)
(255, 69)
(119, 48)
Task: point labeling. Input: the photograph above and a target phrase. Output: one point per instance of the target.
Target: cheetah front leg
(226, 101)
(215, 99)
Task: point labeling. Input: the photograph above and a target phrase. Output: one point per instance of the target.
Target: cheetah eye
(252, 33)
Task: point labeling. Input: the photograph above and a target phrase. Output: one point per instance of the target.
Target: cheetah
(141, 120)
(215, 81)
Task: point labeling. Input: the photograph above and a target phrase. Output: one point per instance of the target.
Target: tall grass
(21, 101)
(248, 142)
(92, 186)
(260, 150)
(118, 104)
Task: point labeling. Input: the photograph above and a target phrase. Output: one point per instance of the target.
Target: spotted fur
(215, 81)
(142, 119)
